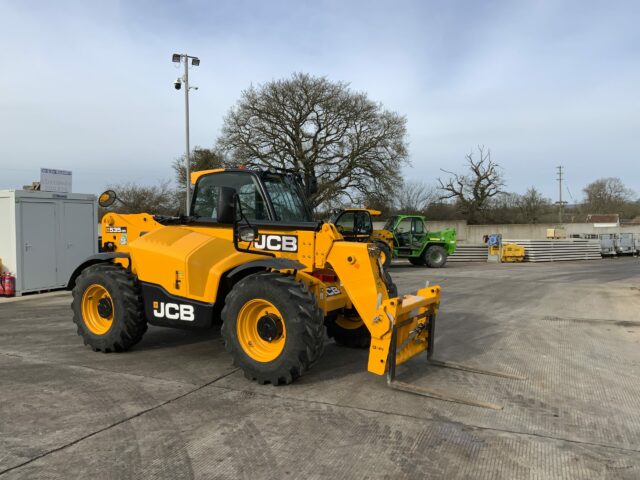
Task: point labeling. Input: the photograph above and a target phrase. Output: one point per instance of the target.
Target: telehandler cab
(250, 253)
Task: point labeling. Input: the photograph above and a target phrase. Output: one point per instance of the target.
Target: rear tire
(435, 256)
(284, 305)
(385, 254)
(107, 308)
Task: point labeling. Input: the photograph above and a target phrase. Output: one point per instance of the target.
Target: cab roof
(374, 213)
(201, 173)
(196, 175)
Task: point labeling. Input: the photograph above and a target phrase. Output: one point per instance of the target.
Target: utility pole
(560, 202)
(195, 61)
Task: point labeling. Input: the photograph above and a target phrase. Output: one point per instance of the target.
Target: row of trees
(355, 150)
(479, 196)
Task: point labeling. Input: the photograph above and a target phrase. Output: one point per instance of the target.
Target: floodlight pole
(186, 117)
(195, 61)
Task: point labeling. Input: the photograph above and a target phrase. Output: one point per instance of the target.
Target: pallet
(558, 250)
(469, 253)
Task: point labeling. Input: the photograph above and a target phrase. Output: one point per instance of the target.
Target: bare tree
(322, 130)
(472, 191)
(533, 205)
(502, 208)
(382, 201)
(415, 197)
(607, 195)
(200, 159)
(160, 199)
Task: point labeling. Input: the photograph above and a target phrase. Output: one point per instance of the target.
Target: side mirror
(247, 233)
(226, 211)
(107, 198)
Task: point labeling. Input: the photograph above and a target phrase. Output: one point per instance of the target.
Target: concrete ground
(174, 407)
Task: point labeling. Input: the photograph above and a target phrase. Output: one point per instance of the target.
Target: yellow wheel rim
(383, 256)
(349, 323)
(97, 309)
(261, 330)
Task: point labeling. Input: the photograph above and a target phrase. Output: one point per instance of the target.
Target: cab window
(346, 222)
(205, 197)
(418, 226)
(286, 199)
(404, 226)
(390, 223)
(362, 223)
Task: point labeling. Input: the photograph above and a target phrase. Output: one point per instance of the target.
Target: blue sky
(87, 85)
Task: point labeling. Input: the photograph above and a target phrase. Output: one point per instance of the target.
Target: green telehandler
(412, 240)
(403, 236)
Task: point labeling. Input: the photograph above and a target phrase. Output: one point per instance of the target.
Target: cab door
(418, 232)
(403, 235)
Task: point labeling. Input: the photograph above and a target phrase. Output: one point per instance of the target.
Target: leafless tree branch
(318, 128)
(472, 191)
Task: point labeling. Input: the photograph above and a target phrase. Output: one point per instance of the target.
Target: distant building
(604, 220)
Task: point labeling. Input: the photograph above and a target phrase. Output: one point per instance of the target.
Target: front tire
(435, 256)
(107, 308)
(348, 329)
(272, 327)
(392, 288)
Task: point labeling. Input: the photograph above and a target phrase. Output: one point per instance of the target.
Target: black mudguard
(275, 263)
(92, 260)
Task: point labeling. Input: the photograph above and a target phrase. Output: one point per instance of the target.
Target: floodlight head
(195, 61)
(175, 58)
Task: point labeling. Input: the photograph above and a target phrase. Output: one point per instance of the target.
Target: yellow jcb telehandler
(250, 254)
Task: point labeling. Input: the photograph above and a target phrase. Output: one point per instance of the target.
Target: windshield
(286, 197)
(390, 223)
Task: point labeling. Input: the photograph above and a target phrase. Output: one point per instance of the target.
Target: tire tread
(313, 337)
(134, 322)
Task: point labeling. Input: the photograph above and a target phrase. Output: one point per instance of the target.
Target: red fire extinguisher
(8, 282)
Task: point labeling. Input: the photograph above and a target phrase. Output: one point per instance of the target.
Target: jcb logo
(278, 243)
(173, 311)
(331, 291)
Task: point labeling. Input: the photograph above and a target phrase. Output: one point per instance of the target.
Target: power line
(569, 192)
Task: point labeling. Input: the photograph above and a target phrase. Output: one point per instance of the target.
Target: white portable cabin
(625, 244)
(44, 236)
